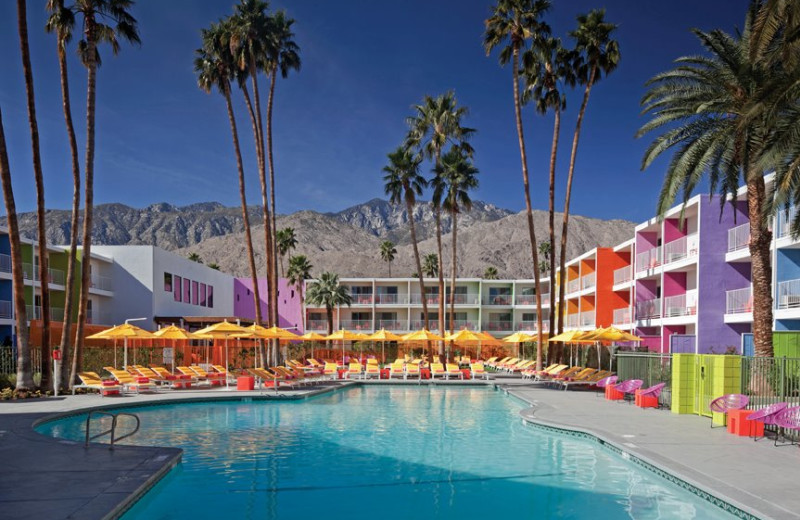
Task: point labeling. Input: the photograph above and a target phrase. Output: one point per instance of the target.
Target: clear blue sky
(159, 138)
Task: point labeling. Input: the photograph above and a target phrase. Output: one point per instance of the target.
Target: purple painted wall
(290, 310)
(667, 331)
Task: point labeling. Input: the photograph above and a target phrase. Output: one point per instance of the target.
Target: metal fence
(651, 368)
(8, 362)
(771, 380)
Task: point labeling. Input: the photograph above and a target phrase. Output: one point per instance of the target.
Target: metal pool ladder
(113, 430)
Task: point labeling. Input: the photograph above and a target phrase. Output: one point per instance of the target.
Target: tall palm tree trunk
(529, 210)
(245, 217)
(438, 216)
(454, 216)
(420, 275)
(329, 316)
(552, 224)
(24, 368)
(41, 230)
(91, 94)
(562, 261)
(760, 240)
(69, 289)
(271, 163)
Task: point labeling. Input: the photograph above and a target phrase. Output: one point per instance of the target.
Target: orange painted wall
(606, 300)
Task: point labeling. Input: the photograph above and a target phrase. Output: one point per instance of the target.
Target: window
(194, 292)
(210, 297)
(168, 282)
(202, 295)
(528, 316)
(176, 290)
(187, 290)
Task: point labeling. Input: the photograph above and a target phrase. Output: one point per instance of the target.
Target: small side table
(612, 394)
(385, 373)
(466, 373)
(645, 401)
(739, 424)
(425, 373)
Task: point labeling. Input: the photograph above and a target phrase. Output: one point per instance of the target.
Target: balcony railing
(5, 263)
(681, 248)
(5, 310)
(738, 237)
(649, 259)
(789, 294)
(391, 299)
(498, 325)
(357, 324)
(462, 324)
(431, 299)
(681, 304)
(317, 325)
(530, 299)
(56, 276)
(574, 285)
(589, 281)
(587, 319)
(101, 282)
(648, 309)
(35, 313)
(784, 222)
(573, 321)
(739, 301)
(465, 299)
(530, 326)
(391, 324)
(362, 299)
(622, 275)
(498, 299)
(433, 325)
(622, 316)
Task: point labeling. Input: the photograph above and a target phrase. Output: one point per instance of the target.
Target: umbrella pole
(227, 368)
(125, 353)
(115, 352)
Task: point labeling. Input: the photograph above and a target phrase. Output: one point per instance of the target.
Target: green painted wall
(786, 344)
(698, 379)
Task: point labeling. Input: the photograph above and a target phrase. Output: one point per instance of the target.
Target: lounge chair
(590, 380)
(453, 370)
(648, 394)
(489, 361)
(437, 369)
(767, 415)
(92, 381)
(129, 382)
(216, 378)
(477, 370)
(544, 375)
(508, 363)
(629, 386)
(412, 369)
(354, 370)
(607, 382)
(397, 369)
(519, 367)
(789, 419)
(372, 369)
(264, 375)
(727, 402)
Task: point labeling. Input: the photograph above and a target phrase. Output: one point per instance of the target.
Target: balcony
(739, 237)
(681, 304)
(391, 325)
(648, 309)
(102, 283)
(391, 299)
(784, 220)
(498, 326)
(530, 326)
(35, 313)
(362, 299)
(500, 299)
(622, 275)
(5, 263)
(739, 301)
(430, 299)
(55, 276)
(433, 325)
(622, 316)
(461, 325)
(789, 294)
(587, 319)
(589, 281)
(573, 321)
(684, 247)
(466, 299)
(5, 310)
(317, 325)
(357, 325)
(649, 259)
(574, 285)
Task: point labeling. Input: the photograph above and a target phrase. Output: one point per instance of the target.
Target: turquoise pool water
(384, 453)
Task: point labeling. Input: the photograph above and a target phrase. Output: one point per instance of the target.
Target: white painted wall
(132, 279)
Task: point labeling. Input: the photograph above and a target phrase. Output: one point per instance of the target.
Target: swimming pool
(387, 452)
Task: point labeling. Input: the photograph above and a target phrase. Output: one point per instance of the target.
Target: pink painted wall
(290, 310)
(645, 241)
(674, 284)
(673, 230)
(667, 331)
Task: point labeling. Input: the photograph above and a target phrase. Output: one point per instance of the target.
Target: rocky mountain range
(346, 242)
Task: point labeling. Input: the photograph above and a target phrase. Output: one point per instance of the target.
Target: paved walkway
(753, 476)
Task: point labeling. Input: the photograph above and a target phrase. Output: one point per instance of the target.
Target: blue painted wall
(787, 264)
(787, 325)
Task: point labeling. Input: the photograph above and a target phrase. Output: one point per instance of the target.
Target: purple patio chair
(789, 419)
(727, 402)
(629, 387)
(767, 415)
(653, 391)
(607, 381)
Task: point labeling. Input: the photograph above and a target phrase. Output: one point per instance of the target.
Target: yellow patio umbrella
(281, 334)
(571, 336)
(175, 333)
(343, 335)
(125, 331)
(313, 337)
(223, 329)
(383, 336)
(609, 334)
(463, 335)
(421, 335)
(518, 338)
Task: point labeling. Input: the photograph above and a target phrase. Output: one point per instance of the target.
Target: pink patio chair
(607, 381)
(789, 419)
(728, 402)
(767, 415)
(629, 387)
(653, 391)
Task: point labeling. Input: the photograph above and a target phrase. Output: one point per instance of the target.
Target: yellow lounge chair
(489, 361)
(437, 369)
(354, 370)
(453, 370)
(397, 369)
(130, 382)
(373, 369)
(330, 369)
(477, 370)
(92, 381)
(412, 369)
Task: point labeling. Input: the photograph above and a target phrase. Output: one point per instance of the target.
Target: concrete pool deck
(48, 478)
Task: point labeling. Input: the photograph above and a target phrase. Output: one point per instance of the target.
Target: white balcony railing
(55, 276)
(433, 325)
(462, 324)
(530, 299)
(5, 310)
(357, 324)
(738, 237)
(5, 263)
(35, 313)
(362, 299)
(391, 299)
(622, 275)
(317, 325)
(467, 299)
(431, 299)
(530, 326)
(587, 319)
(102, 283)
(681, 304)
(681, 248)
(499, 299)
(649, 259)
(391, 324)
(573, 320)
(498, 325)
(622, 316)
(739, 301)
(648, 309)
(574, 285)
(789, 294)
(784, 222)
(589, 281)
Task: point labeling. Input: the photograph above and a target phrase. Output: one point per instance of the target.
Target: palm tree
(24, 365)
(455, 177)
(299, 271)
(546, 66)
(430, 266)
(327, 292)
(281, 53)
(776, 32)
(194, 257)
(518, 21)
(22, 26)
(388, 252)
(708, 103)
(490, 273)
(286, 240)
(597, 56)
(61, 21)
(403, 183)
(436, 123)
(104, 21)
(215, 68)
